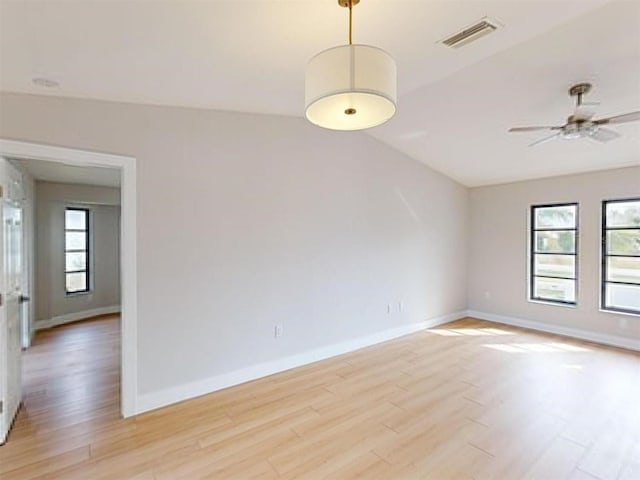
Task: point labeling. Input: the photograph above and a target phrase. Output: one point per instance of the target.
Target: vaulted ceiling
(454, 106)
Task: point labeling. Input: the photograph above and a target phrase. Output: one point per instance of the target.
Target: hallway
(71, 391)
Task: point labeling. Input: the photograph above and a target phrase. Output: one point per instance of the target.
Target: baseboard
(612, 340)
(75, 316)
(153, 400)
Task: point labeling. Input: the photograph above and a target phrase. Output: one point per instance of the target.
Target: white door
(10, 289)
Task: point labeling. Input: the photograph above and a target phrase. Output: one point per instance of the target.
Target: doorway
(60, 157)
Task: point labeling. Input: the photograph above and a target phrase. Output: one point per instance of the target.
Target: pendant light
(350, 87)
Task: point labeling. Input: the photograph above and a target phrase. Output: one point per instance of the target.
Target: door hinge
(1, 406)
(1, 299)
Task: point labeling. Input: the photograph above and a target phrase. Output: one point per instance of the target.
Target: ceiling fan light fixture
(578, 130)
(350, 87)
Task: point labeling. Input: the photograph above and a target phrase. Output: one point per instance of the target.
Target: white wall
(245, 221)
(498, 242)
(53, 305)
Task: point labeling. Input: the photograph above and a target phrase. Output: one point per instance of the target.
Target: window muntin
(554, 240)
(76, 250)
(621, 256)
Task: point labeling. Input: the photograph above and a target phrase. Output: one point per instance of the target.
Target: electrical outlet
(277, 331)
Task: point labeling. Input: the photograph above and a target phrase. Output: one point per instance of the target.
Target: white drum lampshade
(350, 87)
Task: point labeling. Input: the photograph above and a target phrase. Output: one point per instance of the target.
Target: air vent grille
(468, 35)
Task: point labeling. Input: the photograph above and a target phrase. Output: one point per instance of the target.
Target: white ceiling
(60, 173)
(454, 105)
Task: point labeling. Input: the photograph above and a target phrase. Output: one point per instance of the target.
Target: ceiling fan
(580, 124)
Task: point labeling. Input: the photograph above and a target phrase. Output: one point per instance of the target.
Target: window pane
(623, 269)
(623, 242)
(555, 265)
(626, 297)
(623, 214)
(75, 241)
(76, 282)
(75, 261)
(562, 241)
(75, 220)
(554, 289)
(555, 217)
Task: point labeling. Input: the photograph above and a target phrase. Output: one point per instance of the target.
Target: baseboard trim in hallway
(75, 316)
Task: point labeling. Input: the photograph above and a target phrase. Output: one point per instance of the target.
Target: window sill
(555, 304)
(78, 294)
(617, 312)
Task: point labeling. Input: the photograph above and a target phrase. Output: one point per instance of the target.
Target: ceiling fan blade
(627, 117)
(532, 129)
(604, 135)
(544, 139)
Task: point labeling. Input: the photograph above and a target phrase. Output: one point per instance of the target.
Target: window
(76, 250)
(554, 239)
(621, 255)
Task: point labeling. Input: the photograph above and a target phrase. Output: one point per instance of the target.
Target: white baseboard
(153, 400)
(613, 340)
(75, 316)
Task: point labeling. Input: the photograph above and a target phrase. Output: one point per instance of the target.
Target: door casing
(128, 242)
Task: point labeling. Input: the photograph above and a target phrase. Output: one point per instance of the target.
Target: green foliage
(624, 242)
(555, 217)
(625, 214)
(561, 241)
(566, 241)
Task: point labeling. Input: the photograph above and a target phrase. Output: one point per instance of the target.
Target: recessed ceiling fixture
(350, 87)
(45, 82)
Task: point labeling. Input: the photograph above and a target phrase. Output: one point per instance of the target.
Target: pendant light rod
(349, 4)
(350, 21)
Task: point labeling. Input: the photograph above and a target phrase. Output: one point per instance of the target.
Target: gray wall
(498, 242)
(51, 200)
(245, 221)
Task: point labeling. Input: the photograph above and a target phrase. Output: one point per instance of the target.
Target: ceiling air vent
(470, 34)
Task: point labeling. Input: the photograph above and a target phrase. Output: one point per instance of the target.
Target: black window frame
(532, 253)
(604, 256)
(86, 250)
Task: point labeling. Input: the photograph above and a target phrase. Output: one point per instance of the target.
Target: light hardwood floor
(470, 399)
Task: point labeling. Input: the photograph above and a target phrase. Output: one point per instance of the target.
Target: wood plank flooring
(470, 399)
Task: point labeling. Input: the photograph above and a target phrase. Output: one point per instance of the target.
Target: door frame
(128, 241)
